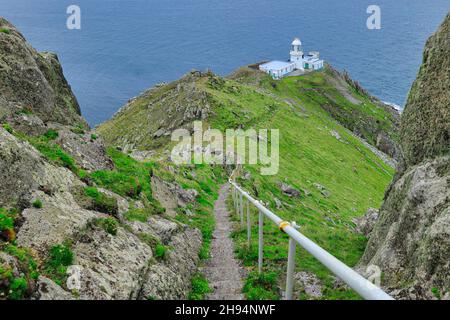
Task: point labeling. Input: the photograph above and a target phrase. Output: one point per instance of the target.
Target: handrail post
(249, 228)
(290, 269)
(233, 195)
(238, 204)
(260, 241)
(242, 211)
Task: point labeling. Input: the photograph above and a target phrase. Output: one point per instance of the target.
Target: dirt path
(223, 271)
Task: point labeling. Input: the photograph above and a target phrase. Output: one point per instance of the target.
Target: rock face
(36, 104)
(411, 240)
(32, 82)
(366, 223)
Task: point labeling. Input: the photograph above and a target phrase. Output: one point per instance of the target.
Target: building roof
(276, 65)
(296, 42)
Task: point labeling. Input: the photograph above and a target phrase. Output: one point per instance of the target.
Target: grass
(5, 30)
(51, 134)
(8, 127)
(109, 224)
(261, 286)
(50, 150)
(309, 154)
(306, 110)
(200, 287)
(101, 202)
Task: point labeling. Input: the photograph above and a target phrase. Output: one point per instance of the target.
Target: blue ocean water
(127, 46)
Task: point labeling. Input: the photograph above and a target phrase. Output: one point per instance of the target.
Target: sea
(127, 46)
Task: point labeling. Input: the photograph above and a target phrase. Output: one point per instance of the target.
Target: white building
(278, 69)
(298, 61)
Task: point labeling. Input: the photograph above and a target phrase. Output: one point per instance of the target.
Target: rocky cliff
(66, 200)
(32, 85)
(411, 240)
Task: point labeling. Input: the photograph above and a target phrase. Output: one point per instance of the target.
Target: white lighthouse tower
(297, 53)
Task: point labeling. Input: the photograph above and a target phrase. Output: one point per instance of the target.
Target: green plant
(37, 203)
(18, 288)
(60, 257)
(110, 225)
(129, 179)
(261, 286)
(160, 252)
(78, 129)
(8, 127)
(50, 150)
(435, 291)
(101, 202)
(7, 224)
(51, 134)
(5, 30)
(149, 239)
(200, 287)
(25, 111)
(94, 137)
(6, 220)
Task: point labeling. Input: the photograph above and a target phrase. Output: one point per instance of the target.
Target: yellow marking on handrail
(283, 224)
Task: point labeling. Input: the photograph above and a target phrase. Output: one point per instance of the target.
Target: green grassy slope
(309, 154)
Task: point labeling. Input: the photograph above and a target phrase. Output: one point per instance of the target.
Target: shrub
(60, 257)
(110, 225)
(37, 203)
(4, 30)
(94, 137)
(160, 252)
(6, 221)
(18, 288)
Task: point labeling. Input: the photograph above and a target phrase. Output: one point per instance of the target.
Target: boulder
(49, 290)
(365, 224)
(289, 190)
(112, 265)
(309, 283)
(170, 279)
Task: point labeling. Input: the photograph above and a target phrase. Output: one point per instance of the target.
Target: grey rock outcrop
(411, 240)
(309, 283)
(289, 190)
(35, 98)
(32, 82)
(366, 223)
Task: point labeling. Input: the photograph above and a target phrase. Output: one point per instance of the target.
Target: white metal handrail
(362, 286)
